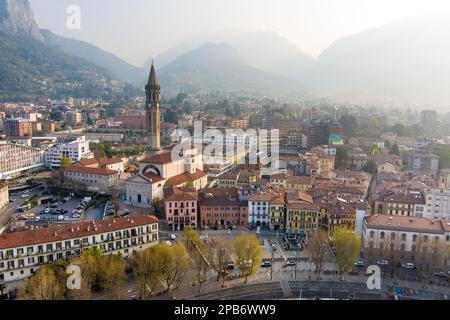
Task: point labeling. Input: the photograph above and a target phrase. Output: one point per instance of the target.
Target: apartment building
(18, 127)
(23, 252)
(405, 238)
(181, 209)
(4, 194)
(437, 204)
(16, 159)
(75, 148)
(302, 219)
(94, 179)
(408, 203)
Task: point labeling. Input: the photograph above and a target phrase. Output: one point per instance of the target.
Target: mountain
(123, 70)
(264, 50)
(406, 63)
(16, 18)
(30, 69)
(216, 66)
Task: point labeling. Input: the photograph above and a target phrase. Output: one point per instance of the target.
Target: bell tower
(152, 111)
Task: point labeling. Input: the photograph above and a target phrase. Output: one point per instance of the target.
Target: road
(9, 211)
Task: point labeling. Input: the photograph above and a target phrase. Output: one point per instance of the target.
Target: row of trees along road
(161, 268)
(346, 244)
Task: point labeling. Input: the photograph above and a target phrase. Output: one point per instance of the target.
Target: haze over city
(137, 29)
(239, 155)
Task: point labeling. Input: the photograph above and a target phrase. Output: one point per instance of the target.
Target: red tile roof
(88, 170)
(153, 177)
(110, 161)
(185, 177)
(70, 231)
(161, 158)
(87, 162)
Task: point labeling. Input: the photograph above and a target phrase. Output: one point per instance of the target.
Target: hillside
(216, 67)
(406, 63)
(29, 69)
(123, 70)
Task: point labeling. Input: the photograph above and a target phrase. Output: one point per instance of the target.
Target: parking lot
(66, 210)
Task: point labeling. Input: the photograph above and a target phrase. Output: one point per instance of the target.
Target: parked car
(360, 263)
(265, 264)
(66, 218)
(440, 274)
(60, 218)
(76, 216)
(173, 237)
(408, 265)
(25, 195)
(47, 210)
(383, 262)
(291, 263)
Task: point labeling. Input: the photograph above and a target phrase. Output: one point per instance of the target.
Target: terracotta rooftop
(89, 170)
(404, 223)
(87, 162)
(161, 158)
(153, 177)
(110, 161)
(185, 177)
(70, 231)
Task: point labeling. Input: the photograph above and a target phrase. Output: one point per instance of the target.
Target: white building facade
(16, 159)
(73, 148)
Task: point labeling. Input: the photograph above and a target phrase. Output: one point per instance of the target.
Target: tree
(249, 254)
(220, 253)
(342, 158)
(374, 128)
(174, 261)
(44, 285)
(370, 167)
(387, 144)
(89, 262)
(318, 247)
(115, 201)
(112, 274)
(347, 246)
(375, 150)
(187, 107)
(156, 205)
(171, 116)
(64, 163)
(349, 125)
(198, 253)
(394, 150)
(146, 267)
(399, 129)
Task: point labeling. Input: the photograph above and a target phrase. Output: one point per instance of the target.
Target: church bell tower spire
(152, 111)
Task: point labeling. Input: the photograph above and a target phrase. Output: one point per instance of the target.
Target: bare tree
(220, 253)
(318, 248)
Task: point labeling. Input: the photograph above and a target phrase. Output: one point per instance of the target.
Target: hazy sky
(138, 29)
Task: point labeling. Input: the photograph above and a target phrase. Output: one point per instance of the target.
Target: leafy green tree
(387, 144)
(399, 129)
(347, 246)
(171, 116)
(187, 107)
(65, 162)
(395, 150)
(342, 160)
(112, 275)
(349, 124)
(375, 150)
(146, 267)
(249, 254)
(370, 167)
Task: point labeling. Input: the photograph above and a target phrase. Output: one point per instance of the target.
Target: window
(382, 235)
